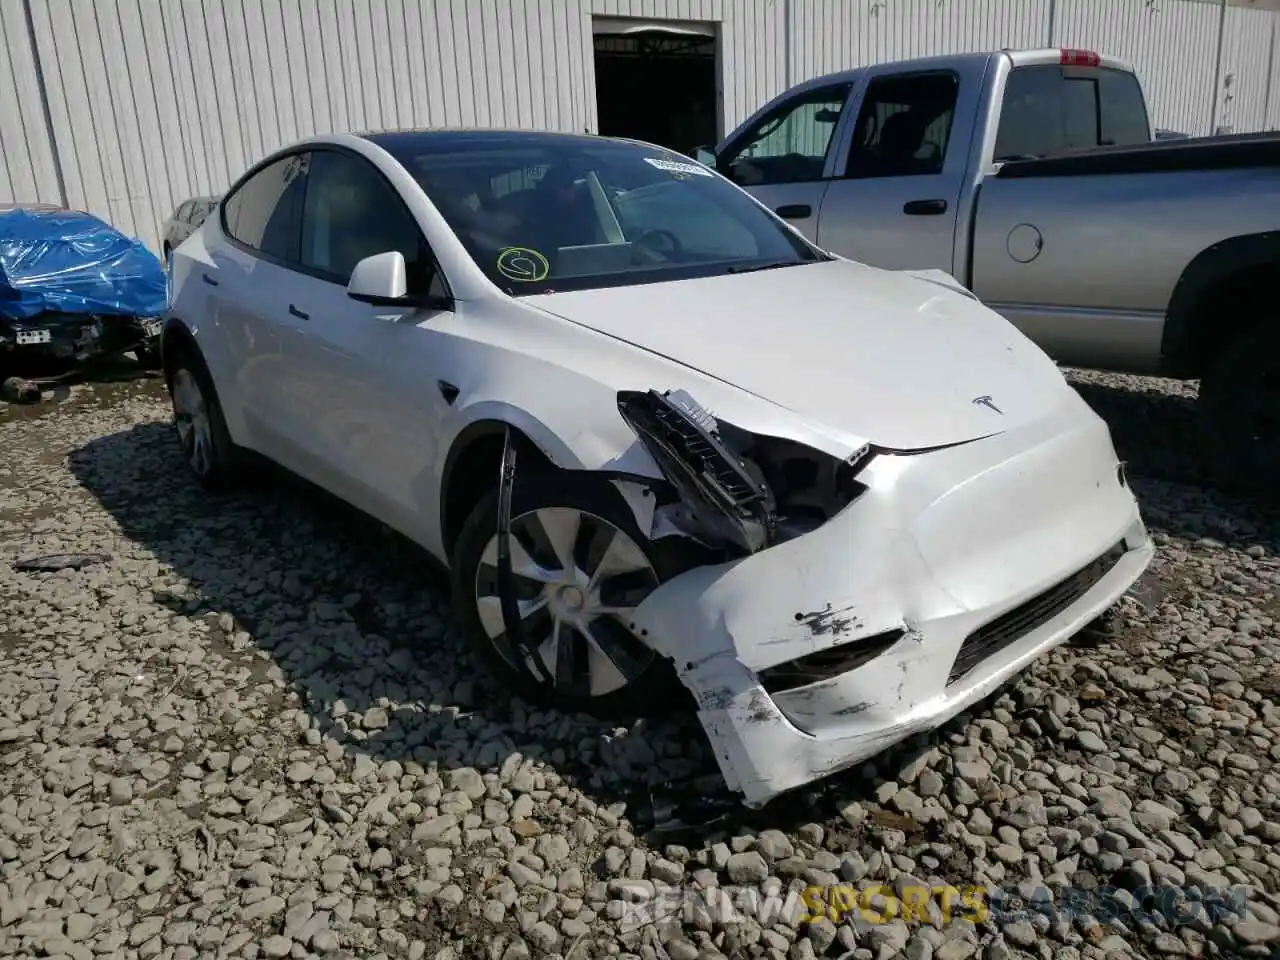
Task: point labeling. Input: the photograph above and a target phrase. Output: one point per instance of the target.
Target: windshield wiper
(772, 265)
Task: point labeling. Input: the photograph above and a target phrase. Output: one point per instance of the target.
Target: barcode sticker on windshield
(673, 166)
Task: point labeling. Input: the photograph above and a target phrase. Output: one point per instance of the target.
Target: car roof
(449, 140)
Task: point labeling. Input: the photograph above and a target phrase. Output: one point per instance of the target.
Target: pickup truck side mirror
(705, 156)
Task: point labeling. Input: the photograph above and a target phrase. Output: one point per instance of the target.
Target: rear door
(894, 199)
(252, 282)
(785, 158)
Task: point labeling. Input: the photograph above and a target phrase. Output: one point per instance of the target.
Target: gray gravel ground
(251, 734)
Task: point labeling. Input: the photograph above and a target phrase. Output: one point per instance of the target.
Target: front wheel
(580, 566)
(1240, 412)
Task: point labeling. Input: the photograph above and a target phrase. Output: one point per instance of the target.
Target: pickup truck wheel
(580, 565)
(1240, 412)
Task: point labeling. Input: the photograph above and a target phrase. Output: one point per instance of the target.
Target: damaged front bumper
(948, 574)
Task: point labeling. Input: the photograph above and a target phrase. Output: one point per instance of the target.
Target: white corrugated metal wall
(147, 102)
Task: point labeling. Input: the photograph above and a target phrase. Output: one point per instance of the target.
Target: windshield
(541, 214)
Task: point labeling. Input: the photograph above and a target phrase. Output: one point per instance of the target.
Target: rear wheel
(1240, 412)
(580, 567)
(217, 463)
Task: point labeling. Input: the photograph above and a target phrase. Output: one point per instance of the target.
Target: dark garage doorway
(657, 85)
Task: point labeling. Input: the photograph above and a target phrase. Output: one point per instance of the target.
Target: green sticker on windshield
(523, 264)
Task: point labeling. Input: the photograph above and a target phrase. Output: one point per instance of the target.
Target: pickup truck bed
(1231, 152)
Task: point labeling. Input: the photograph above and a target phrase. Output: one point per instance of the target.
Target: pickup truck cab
(1034, 178)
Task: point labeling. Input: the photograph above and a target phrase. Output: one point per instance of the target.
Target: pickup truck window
(903, 126)
(790, 143)
(1050, 109)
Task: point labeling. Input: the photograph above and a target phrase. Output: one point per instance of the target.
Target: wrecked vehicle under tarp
(73, 290)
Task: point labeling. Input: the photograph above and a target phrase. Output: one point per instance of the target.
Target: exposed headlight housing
(741, 490)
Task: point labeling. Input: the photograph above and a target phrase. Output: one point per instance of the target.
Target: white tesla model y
(656, 435)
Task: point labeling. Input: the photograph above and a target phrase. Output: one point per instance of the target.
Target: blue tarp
(65, 261)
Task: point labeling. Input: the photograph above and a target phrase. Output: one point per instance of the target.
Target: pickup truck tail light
(1080, 58)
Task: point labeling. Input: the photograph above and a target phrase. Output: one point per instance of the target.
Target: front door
(894, 202)
(369, 374)
(785, 158)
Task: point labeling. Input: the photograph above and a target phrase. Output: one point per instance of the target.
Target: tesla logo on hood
(987, 402)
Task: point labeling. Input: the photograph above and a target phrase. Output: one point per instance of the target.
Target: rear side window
(1050, 109)
(265, 212)
(904, 126)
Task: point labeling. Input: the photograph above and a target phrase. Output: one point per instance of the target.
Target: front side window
(904, 126)
(540, 214)
(791, 143)
(263, 213)
(350, 213)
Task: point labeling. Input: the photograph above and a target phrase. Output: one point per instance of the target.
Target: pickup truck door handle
(208, 279)
(924, 208)
(295, 312)
(794, 211)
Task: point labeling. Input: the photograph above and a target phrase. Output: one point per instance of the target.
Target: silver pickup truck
(1033, 178)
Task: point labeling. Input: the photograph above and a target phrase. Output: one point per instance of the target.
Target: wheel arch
(1218, 295)
(176, 336)
(471, 470)
(551, 434)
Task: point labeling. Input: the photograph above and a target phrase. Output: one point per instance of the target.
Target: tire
(217, 463)
(1240, 412)
(643, 680)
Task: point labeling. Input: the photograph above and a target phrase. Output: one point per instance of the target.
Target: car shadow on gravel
(295, 587)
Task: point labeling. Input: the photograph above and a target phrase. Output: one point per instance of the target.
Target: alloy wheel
(191, 417)
(577, 579)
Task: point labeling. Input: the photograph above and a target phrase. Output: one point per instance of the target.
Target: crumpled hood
(895, 358)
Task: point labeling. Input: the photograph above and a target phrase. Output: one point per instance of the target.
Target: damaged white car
(656, 435)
